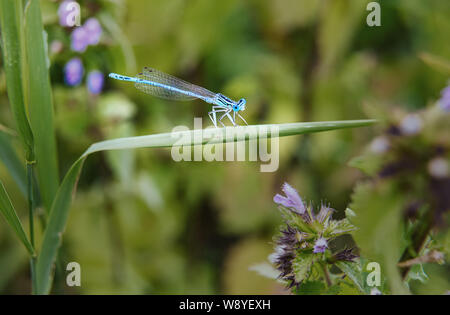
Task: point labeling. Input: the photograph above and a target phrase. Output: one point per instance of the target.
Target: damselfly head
(241, 104)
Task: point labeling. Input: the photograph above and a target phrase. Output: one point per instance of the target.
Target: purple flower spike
(411, 125)
(79, 39)
(444, 102)
(93, 30)
(292, 199)
(67, 11)
(95, 81)
(320, 246)
(73, 72)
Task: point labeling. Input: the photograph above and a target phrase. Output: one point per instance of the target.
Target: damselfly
(160, 84)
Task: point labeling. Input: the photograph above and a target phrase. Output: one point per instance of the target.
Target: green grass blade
(439, 63)
(202, 136)
(12, 162)
(8, 211)
(60, 209)
(41, 104)
(54, 230)
(10, 21)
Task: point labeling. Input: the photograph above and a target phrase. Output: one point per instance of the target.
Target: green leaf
(337, 228)
(12, 37)
(417, 273)
(55, 227)
(40, 104)
(294, 220)
(301, 266)
(378, 207)
(60, 208)
(12, 162)
(354, 271)
(368, 163)
(311, 288)
(8, 211)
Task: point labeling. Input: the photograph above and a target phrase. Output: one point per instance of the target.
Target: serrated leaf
(337, 228)
(301, 266)
(294, 220)
(354, 271)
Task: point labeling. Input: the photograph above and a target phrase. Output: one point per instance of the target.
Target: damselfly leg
(242, 118)
(227, 113)
(212, 114)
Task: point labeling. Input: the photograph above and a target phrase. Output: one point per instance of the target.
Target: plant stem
(33, 274)
(326, 275)
(419, 238)
(31, 205)
(30, 200)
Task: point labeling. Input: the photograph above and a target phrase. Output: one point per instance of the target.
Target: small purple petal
(411, 124)
(93, 30)
(444, 102)
(380, 145)
(282, 201)
(446, 92)
(95, 81)
(320, 246)
(73, 72)
(80, 40)
(324, 213)
(438, 167)
(294, 197)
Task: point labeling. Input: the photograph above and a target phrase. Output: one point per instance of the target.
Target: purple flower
(73, 72)
(438, 167)
(79, 39)
(411, 125)
(93, 30)
(380, 145)
(88, 34)
(68, 12)
(95, 82)
(344, 255)
(444, 102)
(292, 199)
(320, 246)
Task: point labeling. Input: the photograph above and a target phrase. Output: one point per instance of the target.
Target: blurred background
(142, 223)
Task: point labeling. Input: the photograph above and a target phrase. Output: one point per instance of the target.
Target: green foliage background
(142, 223)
